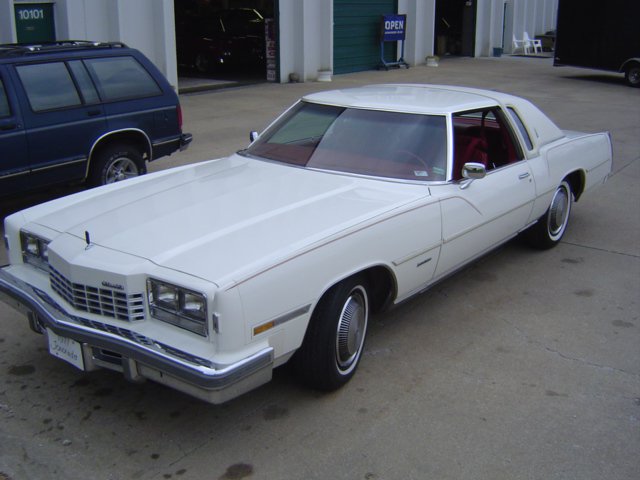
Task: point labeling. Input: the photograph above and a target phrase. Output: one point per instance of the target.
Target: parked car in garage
(223, 40)
(75, 111)
(206, 277)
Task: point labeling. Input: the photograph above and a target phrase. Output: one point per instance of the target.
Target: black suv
(74, 111)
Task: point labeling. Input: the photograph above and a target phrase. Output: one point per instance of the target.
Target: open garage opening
(225, 42)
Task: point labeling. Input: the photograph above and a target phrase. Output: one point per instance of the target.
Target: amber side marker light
(263, 328)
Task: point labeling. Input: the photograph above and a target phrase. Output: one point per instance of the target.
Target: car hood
(225, 219)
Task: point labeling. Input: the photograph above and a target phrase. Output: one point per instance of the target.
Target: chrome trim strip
(164, 142)
(325, 242)
(189, 368)
(41, 169)
(480, 225)
(17, 174)
(608, 160)
(291, 315)
(49, 167)
(411, 256)
(101, 137)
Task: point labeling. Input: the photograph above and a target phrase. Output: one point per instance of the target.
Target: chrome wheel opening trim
(559, 212)
(351, 331)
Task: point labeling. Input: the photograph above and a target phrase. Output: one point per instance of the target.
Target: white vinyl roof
(438, 100)
(428, 99)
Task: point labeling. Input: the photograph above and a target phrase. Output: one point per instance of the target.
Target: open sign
(393, 27)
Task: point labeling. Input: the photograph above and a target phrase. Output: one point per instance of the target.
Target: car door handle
(522, 176)
(8, 126)
(93, 113)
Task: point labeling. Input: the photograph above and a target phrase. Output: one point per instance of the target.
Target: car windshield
(365, 142)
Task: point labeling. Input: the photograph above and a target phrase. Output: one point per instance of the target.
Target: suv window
(4, 103)
(85, 84)
(122, 77)
(48, 86)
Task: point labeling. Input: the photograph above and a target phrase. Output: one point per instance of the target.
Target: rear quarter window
(521, 128)
(48, 85)
(119, 78)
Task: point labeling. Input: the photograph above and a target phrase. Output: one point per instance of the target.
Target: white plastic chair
(529, 42)
(520, 45)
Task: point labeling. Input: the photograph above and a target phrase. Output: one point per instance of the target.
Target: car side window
(119, 78)
(482, 136)
(87, 89)
(4, 102)
(523, 130)
(49, 86)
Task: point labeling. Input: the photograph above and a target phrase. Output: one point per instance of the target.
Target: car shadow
(603, 78)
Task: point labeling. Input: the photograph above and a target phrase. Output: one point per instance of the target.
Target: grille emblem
(115, 286)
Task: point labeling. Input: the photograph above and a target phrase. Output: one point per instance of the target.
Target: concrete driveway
(524, 366)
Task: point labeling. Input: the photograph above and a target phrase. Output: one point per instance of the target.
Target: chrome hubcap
(352, 328)
(121, 169)
(558, 212)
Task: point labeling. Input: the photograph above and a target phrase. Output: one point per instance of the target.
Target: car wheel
(550, 228)
(333, 344)
(203, 63)
(632, 75)
(116, 163)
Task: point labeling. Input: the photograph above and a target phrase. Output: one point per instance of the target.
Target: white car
(207, 277)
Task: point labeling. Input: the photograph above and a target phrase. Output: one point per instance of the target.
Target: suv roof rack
(19, 49)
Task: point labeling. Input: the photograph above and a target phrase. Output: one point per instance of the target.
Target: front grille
(101, 301)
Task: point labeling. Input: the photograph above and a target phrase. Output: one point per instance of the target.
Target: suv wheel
(115, 163)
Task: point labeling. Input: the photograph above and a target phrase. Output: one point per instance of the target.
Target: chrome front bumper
(136, 356)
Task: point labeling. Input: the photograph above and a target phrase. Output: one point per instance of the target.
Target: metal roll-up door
(356, 34)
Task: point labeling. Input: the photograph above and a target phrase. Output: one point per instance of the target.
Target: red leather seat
(468, 149)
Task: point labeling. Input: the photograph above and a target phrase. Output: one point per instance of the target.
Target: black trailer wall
(597, 34)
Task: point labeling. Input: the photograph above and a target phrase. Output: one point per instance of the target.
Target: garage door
(356, 34)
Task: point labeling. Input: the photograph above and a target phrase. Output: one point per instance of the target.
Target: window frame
(503, 122)
(4, 94)
(72, 79)
(82, 69)
(311, 151)
(516, 118)
(99, 84)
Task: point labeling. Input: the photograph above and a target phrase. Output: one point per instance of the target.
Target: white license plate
(65, 348)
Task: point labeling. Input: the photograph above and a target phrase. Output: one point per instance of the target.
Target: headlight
(177, 305)
(35, 250)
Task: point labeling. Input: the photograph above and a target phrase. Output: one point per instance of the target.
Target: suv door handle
(93, 113)
(7, 126)
(522, 176)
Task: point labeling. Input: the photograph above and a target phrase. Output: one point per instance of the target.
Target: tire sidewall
(106, 159)
(540, 235)
(563, 189)
(357, 291)
(316, 361)
(632, 75)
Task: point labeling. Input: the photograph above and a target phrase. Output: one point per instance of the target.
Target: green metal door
(356, 34)
(34, 22)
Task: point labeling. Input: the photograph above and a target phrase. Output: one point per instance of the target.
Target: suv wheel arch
(133, 144)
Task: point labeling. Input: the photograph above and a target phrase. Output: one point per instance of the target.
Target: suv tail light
(179, 112)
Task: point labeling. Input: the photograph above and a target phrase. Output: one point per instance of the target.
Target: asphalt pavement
(526, 365)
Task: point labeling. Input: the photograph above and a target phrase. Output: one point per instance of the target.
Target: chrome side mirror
(472, 171)
(253, 136)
